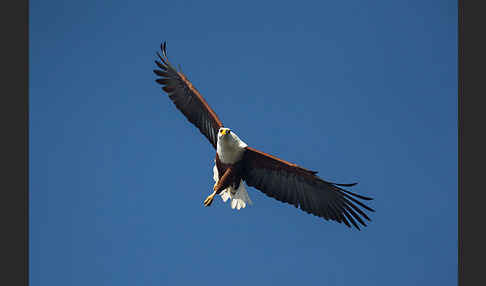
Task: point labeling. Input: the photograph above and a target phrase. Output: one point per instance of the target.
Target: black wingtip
(341, 184)
(161, 73)
(345, 185)
(164, 49)
(358, 196)
(162, 59)
(160, 65)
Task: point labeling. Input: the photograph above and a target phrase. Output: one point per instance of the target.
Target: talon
(209, 200)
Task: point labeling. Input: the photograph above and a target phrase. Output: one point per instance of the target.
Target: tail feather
(225, 196)
(239, 197)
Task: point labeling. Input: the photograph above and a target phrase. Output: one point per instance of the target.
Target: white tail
(239, 197)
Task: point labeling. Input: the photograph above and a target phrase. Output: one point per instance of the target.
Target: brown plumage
(276, 178)
(232, 174)
(187, 99)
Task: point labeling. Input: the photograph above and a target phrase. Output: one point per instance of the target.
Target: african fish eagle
(236, 162)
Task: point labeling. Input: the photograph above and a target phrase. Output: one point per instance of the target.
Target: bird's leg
(222, 184)
(210, 198)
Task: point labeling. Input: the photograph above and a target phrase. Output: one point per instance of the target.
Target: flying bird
(237, 163)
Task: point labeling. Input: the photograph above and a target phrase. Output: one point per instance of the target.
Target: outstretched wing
(300, 187)
(186, 98)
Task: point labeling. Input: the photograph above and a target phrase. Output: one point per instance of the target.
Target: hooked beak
(225, 131)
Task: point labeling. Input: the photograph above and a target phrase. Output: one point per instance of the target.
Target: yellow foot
(209, 200)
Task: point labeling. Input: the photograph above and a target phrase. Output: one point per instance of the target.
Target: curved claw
(209, 200)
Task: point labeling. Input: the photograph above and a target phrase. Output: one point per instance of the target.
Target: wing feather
(186, 98)
(292, 184)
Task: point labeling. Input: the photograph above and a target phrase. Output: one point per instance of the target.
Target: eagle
(236, 163)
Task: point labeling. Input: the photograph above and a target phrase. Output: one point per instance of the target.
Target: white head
(229, 139)
(223, 132)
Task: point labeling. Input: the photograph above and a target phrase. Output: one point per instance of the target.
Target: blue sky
(359, 90)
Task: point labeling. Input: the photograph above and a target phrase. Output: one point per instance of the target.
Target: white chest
(229, 154)
(230, 148)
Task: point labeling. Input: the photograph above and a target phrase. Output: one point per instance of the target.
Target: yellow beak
(224, 131)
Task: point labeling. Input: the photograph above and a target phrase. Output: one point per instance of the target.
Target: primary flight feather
(236, 163)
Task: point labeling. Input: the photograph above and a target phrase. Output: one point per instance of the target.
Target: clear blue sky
(359, 90)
